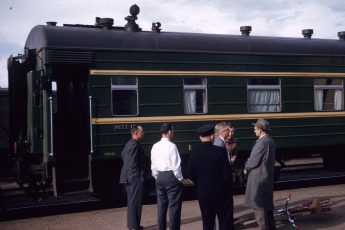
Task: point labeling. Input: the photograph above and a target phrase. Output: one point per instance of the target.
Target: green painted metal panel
(163, 96)
(34, 113)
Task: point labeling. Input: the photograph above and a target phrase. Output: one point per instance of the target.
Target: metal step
(73, 185)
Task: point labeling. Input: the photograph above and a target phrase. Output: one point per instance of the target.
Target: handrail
(51, 126)
(90, 111)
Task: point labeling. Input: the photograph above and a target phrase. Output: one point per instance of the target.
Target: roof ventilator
(51, 23)
(131, 24)
(107, 23)
(341, 35)
(156, 27)
(307, 33)
(97, 21)
(245, 30)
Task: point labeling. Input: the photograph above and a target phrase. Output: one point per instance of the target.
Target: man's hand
(233, 159)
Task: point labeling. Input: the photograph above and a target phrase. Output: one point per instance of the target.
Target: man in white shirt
(166, 169)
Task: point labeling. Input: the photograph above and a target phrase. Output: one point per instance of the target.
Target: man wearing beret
(260, 170)
(210, 169)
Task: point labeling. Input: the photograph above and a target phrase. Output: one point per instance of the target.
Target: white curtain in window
(318, 99)
(204, 101)
(264, 101)
(338, 100)
(190, 101)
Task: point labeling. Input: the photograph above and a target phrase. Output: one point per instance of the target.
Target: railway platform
(115, 218)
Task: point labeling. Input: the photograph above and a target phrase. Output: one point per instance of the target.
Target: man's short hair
(166, 127)
(135, 128)
(221, 126)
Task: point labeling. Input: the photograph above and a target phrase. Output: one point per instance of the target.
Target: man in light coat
(260, 170)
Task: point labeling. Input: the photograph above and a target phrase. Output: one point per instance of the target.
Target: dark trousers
(135, 194)
(265, 219)
(169, 195)
(222, 207)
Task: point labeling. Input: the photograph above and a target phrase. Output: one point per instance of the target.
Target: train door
(71, 128)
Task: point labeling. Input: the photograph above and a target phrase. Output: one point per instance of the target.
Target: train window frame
(197, 88)
(125, 87)
(338, 94)
(268, 87)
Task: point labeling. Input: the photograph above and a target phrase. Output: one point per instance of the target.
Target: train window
(195, 95)
(124, 92)
(328, 94)
(263, 95)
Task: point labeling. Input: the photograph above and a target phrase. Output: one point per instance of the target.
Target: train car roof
(93, 38)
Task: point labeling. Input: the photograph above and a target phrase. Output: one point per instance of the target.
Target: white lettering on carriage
(123, 127)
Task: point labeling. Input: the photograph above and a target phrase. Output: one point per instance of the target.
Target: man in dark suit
(132, 176)
(210, 169)
(260, 170)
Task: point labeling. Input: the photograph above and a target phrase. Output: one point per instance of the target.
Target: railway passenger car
(6, 165)
(78, 89)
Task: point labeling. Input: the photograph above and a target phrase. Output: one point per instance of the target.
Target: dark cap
(262, 124)
(205, 130)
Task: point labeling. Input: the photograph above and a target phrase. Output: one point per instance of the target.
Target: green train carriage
(83, 86)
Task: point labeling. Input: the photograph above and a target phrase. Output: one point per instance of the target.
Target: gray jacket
(260, 166)
(219, 142)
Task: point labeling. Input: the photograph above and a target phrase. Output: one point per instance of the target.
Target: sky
(278, 18)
